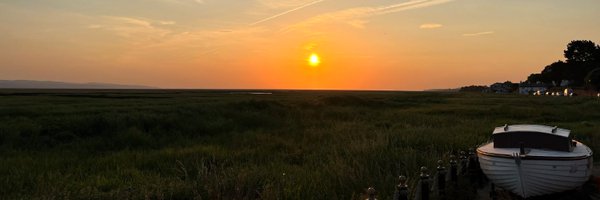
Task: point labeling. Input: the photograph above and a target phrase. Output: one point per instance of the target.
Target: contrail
(410, 5)
(286, 12)
(348, 15)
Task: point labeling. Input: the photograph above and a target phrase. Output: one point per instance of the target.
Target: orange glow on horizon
(353, 45)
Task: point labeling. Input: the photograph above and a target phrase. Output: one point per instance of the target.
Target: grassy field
(161, 144)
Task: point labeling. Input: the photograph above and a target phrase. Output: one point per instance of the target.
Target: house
(530, 88)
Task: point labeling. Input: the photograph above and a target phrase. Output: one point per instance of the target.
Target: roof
(533, 128)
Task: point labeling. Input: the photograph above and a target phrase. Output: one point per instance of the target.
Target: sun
(314, 60)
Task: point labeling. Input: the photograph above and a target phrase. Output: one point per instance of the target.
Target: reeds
(215, 145)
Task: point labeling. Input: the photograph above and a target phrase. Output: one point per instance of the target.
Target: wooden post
(424, 184)
(441, 179)
(401, 189)
(493, 193)
(472, 159)
(463, 163)
(371, 192)
(453, 169)
(472, 167)
(282, 187)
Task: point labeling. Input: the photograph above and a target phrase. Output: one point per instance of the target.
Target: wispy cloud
(183, 2)
(310, 46)
(359, 23)
(143, 40)
(353, 15)
(94, 26)
(209, 41)
(167, 22)
(478, 33)
(286, 12)
(412, 4)
(430, 26)
(132, 21)
(283, 4)
(136, 30)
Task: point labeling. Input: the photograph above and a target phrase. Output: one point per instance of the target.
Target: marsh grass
(220, 145)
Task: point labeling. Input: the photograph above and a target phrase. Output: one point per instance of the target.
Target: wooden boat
(533, 160)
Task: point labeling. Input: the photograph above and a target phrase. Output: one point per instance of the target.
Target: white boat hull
(533, 177)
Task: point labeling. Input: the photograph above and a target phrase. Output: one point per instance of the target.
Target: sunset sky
(361, 44)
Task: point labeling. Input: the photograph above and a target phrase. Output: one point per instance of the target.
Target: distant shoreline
(34, 84)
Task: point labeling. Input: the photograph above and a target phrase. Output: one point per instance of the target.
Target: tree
(558, 71)
(475, 88)
(583, 57)
(592, 80)
(536, 77)
(580, 51)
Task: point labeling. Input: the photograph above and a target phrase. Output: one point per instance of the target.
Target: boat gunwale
(526, 157)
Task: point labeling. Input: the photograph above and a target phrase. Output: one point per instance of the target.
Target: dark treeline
(581, 67)
(475, 88)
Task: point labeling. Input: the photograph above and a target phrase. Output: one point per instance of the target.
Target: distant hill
(28, 84)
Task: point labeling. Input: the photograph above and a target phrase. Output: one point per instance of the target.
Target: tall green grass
(218, 145)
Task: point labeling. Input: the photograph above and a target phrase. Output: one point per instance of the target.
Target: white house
(530, 88)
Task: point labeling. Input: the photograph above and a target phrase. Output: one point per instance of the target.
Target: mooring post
(424, 184)
(463, 162)
(493, 194)
(441, 179)
(371, 192)
(472, 160)
(453, 169)
(282, 187)
(401, 189)
(472, 167)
